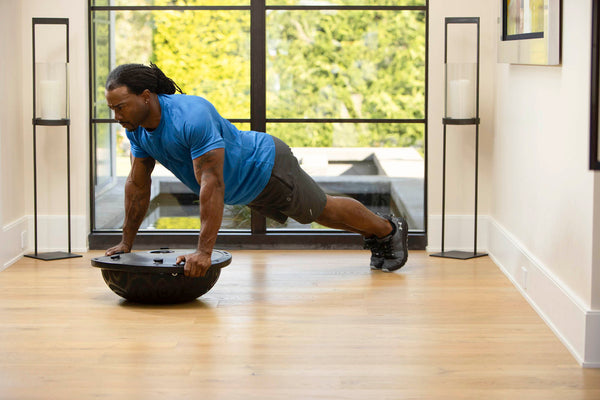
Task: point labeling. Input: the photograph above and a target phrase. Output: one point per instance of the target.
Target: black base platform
(53, 255)
(459, 255)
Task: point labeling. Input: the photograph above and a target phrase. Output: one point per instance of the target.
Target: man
(226, 166)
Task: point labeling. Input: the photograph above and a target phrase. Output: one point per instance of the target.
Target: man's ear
(146, 95)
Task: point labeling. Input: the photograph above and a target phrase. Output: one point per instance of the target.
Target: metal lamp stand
(460, 118)
(62, 120)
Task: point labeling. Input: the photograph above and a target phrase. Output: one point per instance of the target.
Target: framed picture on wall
(595, 87)
(530, 32)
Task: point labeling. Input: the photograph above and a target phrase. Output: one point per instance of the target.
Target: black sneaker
(394, 247)
(376, 254)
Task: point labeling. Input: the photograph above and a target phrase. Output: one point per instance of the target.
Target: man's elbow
(213, 186)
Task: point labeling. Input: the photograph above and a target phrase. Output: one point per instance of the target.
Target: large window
(343, 82)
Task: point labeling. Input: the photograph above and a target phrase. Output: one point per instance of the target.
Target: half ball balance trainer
(153, 276)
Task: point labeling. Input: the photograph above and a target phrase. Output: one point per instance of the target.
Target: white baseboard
(10, 237)
(52, 236)
(574, 324)
(591, 358)
(564, 312)
(53, 233)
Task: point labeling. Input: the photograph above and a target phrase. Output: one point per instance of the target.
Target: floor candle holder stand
(51, 108)
(461, 108)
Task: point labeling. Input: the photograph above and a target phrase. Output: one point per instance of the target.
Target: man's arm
(137, 200)
(208, 169)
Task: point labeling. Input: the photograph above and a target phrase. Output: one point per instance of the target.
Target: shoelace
(386, 247)
(370, 244)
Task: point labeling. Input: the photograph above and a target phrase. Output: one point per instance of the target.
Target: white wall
(11, 132)
(13, 219)
(544, 192)
(16, 144)
(539, 204)
(52, 144)
(460, 153)
(595, 301)
(542, 215)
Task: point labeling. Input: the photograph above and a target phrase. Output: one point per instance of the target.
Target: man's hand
(120, 248)
(196, 264)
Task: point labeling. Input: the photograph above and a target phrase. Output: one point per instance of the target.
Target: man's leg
(292, 192)
(351, 215)
(386, 237)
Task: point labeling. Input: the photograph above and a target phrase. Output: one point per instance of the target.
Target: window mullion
(258, 91)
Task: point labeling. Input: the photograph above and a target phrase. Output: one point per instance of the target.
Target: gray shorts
(290, 192)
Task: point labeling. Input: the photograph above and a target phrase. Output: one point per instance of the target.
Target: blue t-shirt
(189, 127)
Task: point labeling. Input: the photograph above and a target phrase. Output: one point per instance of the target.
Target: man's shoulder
(183, 101)
(181, 110)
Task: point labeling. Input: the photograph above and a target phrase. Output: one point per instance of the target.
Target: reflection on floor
(284, 325)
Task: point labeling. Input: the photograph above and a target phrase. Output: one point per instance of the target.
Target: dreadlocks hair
(139, 77)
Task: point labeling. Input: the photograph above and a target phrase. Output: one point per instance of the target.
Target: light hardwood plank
(284, 325)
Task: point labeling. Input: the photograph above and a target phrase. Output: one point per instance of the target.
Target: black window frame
(258, 237)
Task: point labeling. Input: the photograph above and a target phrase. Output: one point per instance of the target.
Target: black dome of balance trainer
(153, 277)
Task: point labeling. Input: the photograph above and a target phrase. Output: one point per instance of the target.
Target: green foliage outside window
(177, 223)
(208, 54)
(347, 64)
(320, 64)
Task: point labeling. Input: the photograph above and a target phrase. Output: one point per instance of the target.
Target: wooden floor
(284, 325)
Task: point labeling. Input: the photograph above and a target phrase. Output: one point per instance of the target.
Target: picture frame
(530, 32)
(594, 161)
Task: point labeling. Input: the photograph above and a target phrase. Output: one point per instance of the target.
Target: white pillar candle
(52, 99)
(460, 101)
